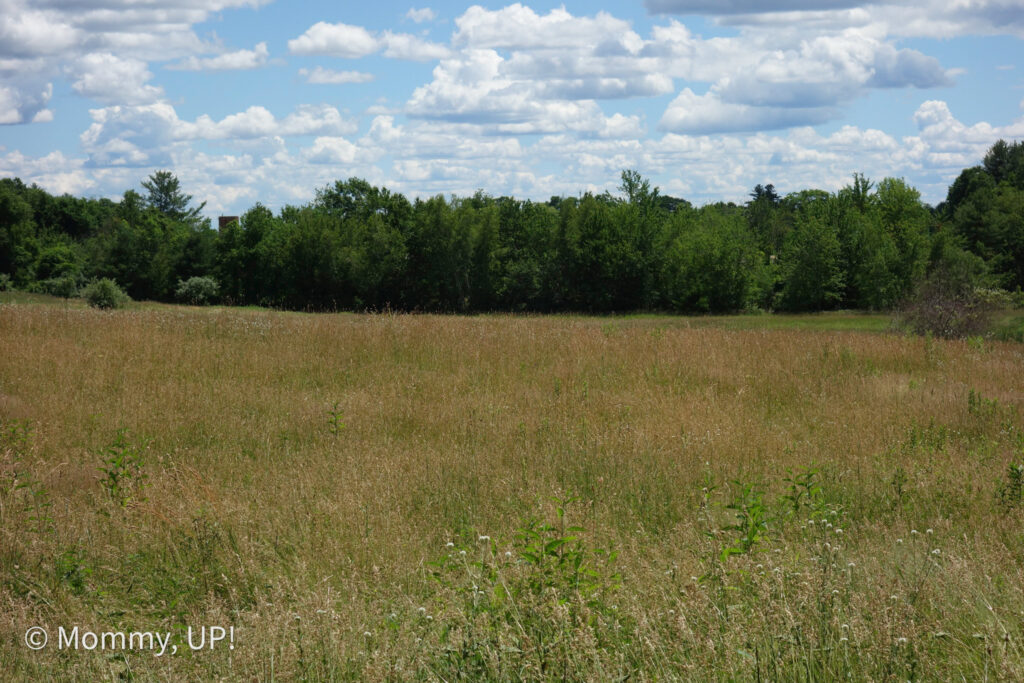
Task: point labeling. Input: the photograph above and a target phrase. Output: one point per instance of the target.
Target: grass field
(397, 497)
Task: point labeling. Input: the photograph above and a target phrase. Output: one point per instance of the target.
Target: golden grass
(256, 514)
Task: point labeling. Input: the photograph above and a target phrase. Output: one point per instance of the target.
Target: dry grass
(256, 513)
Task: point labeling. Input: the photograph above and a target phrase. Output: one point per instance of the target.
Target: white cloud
(519, 27)
(229, 61)
(320, 75)
(141, 135)
(421, 15)
(405, 46)
(335, 40)
(345, 40)
(704, 114)
(24, 103)
(25, 32)
(110, 79)
(931, 18)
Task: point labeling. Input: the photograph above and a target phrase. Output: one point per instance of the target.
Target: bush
(946, 309)
(105, 294)
(65, 286)
(5, 282)
(197, 291)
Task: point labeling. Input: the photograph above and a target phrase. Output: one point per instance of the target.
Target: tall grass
(788, 504)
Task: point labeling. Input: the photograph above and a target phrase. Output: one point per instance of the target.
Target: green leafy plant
(751, 520)
(21, 493)
(105, 294)
(803, 491)
(334, 423)
(123, 475)
(198, 291)
(1010, 493)
(531, 603)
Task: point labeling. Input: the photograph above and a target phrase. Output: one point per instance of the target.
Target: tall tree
(166, 196)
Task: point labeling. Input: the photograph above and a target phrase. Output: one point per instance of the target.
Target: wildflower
(462, 552)
(899, 541)
(913, 532)
(484, 539)
(893, 597)
(936, 552)
(901, 641)
(851, 565)
(839, 531)
(845, 627)
(508, 554)
(422, 610)
(367, 634)
(929, 531)
(430, 618)
(449, 544)
(844, 639)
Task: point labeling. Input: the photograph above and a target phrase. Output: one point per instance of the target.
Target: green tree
(166, 196)
(811, 274)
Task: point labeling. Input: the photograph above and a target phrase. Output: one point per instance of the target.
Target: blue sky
(255, 100)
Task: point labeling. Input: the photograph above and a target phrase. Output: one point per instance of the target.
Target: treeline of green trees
(356, 246)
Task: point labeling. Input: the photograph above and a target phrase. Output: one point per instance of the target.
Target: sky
(250, 101)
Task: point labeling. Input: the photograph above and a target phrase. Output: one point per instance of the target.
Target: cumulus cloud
(229, 61)
(412, 48)
(708, 113)
(25, 103)
(141, 135)
(320, 75)
(102, 47)
(352, 42)
(472, 89)
(334, 40)
(108, 78)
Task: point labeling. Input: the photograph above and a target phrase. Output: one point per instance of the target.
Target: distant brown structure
(225, 221)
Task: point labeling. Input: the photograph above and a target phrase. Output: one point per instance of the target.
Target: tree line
(360, 247)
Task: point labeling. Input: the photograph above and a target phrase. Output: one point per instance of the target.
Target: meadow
(509, 498)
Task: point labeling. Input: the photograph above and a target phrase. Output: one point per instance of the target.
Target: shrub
(950, 302)
(197, 291)
(5, 282)
(949, 314)
(105, 294)
(65, 286)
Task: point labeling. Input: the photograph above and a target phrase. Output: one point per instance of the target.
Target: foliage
(104, 293)
(122, 469)
(197, 290)
(166, 196)
(360, 247)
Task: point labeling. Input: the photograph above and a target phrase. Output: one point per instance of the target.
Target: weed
(123, 475)
(751, 519)
(803, 491)
(981, 406)
(1010, 492)
(334, 423)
